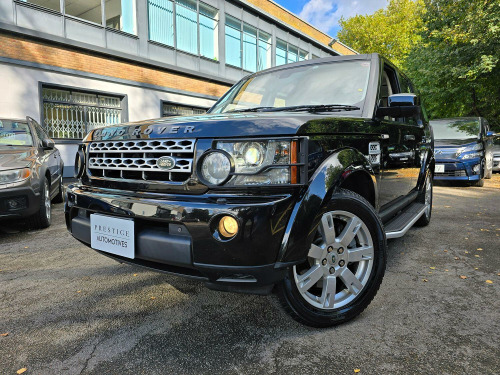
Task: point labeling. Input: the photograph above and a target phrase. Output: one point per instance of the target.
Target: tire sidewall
(318, 317)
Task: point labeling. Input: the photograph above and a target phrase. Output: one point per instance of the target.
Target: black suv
(292, 182)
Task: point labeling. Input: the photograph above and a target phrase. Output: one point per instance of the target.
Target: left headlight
(256, 162)
(14, 175)
(471, 151)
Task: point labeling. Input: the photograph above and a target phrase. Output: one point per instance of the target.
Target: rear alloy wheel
(344, 266)
(426, 198)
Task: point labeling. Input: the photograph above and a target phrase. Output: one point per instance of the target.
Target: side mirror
(492, 134)
(48, 144)
(400, 105)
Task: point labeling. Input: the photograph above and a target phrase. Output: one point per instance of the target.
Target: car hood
(456, 143)
(231, 125)
(16, 157)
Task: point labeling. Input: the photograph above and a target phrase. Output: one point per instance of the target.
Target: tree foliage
(450, 49)
(392, 32)
(457, 65)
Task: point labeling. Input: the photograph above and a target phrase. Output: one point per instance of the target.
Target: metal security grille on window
(136, 160)
(178, 110)
(72, 114)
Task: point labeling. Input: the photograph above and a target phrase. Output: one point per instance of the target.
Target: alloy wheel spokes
(339, 266)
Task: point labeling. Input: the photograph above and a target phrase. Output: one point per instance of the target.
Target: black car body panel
(340, 149)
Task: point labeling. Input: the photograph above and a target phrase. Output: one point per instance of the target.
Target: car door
(398, 144)
(51, 157)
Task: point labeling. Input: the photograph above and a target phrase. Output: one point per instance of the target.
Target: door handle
(409, 137)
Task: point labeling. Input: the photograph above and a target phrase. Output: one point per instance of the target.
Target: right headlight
(256, 162)
(14, 175)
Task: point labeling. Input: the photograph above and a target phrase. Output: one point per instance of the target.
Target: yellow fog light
(228, 226)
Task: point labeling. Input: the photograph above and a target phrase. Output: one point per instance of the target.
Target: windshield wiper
(298, 108)
(319, 108)
(253, 109)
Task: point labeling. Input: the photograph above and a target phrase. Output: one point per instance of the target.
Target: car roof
(321, 60)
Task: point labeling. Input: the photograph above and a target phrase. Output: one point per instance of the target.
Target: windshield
(456, 128)
(14, 133)
(341, 83)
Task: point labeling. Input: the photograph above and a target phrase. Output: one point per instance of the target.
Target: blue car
(463, 149)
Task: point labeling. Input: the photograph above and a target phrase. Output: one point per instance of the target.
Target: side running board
(398, 226)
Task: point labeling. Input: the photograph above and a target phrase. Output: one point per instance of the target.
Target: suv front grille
(136, 159)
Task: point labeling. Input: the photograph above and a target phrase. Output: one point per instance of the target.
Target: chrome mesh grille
(136, 159)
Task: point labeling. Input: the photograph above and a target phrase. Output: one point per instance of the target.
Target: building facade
(74, 65)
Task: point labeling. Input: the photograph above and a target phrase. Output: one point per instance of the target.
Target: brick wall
(20, 48)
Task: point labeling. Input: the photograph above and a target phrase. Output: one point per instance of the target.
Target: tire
(425, 197)
(333, 264)
(488, 173)
(478, 183)
(42, 218)
(59, 198)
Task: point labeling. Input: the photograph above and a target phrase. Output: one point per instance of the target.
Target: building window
(89, 10)
(233, 41)
(287, 53)
(173, 109)
(71, 114)
(119, 14)
(209, 39)
(186, 24)
(246, 46)
(161, 21)
(50, 4)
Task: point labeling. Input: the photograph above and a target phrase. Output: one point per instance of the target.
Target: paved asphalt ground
(69, 310)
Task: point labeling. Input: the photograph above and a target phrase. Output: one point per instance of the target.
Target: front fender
(309, 209)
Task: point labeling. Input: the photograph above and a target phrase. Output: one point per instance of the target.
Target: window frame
(42, 85)
(102, 23)
(258, 39)
(198, 39)
(287, 51)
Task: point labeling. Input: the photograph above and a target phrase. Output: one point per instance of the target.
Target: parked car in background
(496, 154)
(463, 149)
(30, 172)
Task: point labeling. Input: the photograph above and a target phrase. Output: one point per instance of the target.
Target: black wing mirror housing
(48, 144)
(401, 105)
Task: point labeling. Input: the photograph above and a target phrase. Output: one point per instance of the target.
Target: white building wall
(20, 97)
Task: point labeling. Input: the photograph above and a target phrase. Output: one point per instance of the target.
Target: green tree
(392, 32)
(457, 64)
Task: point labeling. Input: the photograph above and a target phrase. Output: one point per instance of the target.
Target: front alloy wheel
(343, 268)
(339, 262)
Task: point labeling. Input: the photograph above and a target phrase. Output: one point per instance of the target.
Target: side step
(398, 226)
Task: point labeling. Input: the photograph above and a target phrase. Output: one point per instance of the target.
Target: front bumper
(27, 198)
(174, 233)
(458, 170)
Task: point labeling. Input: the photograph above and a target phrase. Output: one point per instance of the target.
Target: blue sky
(325, 14)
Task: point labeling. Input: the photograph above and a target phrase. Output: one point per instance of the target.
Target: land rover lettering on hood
(290, 184)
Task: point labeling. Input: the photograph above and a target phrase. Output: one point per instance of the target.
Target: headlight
(471, 155)
(215, 167)
(261, 162)
(14, 175)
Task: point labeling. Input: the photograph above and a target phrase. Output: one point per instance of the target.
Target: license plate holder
(112, 235)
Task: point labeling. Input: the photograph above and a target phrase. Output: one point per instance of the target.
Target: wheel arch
(344, 168)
